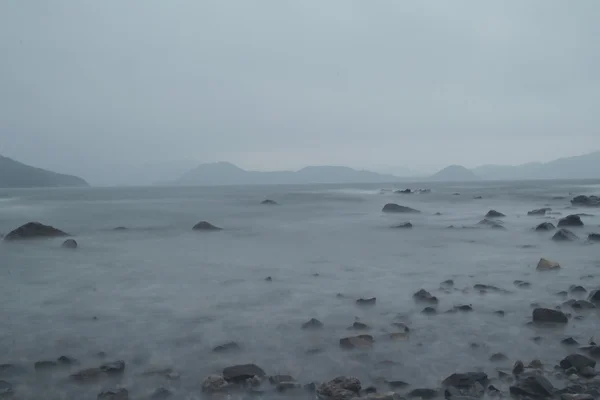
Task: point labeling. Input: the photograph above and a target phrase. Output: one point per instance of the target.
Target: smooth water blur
(160, 295)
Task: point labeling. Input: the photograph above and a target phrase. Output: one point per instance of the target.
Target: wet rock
(6, 389)
(277, 379)
(547, 265)
(367, 302)
(117, 394)
(587, 201)
(269, 202)
(120, 228)
(34, 230)
(489, 288)
(429, 311)
(395, 208)
(594, 237)
(405, 191)
(94, 374)
(577, 289)
(313, 323)
(425, 297)
(465, 380)
(464, 308)
(576, 396)
(545, 226)
(447, 284)
(406, 225)
(498, 357)
(536, 364)
(569, 341)
(539, 211)
(205, 226)
(570, 220)
(500, 313)
(401, 326)
(491, 224)
(477, 197)
(229, 346)
(360, 341)
(564, 235)
(214, 383)
(535, 386)
(399, 336)
(425, 394)
(243, 372)
(522, 284)
(45, 365)
(340, 388)
(594, 296)
(69, 244)
(547, 315)
(494, 214)
(580, 304)
(113, 368)
(359, 326)
(161, 393)
(518, 368)
(65, 360)
(577, 361)
(269, 279)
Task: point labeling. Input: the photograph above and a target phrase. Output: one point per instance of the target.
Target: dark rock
(429, 311)
(277, 379)
(587, 201)
(360, 341)
(547, 265)
(360, 326)
(536, 364)
(547, 315)
(562, 293)
(594, 237)
(569, 341)
(161, 393)
(65, 360)
(500, 313)
(545, 226)
(518, 368)
(269, 279)
(535, 386)
(313, 323)
(120, 228)
(405, 225)
(489, 288)
(395, 208)
(241, 373)
(34, 230)
(581, 305)
(540, 211)
(369, 390)
(397, 384)
(117, 394)
(522, 284)
(425, 297)
(45, 365)
(269, 202)
(594, 296)
(494, 214)
(456, 194)
(464, 308)
(69, 244)
(570, 220)
(491, 224)
(593, 351)
(367, 302)
(465, 380)
(425, 394)
(340, 388)
(447, 284)
(401, 326)
(564, 235)
(113, 368)
(578, 361)
(577, 289)
(105, 370)
(498, 357)
(229, 346)
(205, 226)
(405, 191)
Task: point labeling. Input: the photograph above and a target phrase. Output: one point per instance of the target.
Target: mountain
(14, 174)
(225, 173)
(578, 167)
(455, 173)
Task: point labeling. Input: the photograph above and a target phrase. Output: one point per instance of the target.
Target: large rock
(313, 323)
(547, 265)
(34, 230)
(548, 315)
(205, 226)
(494, 214)
(564, 235)
(545, 226)
(425, 297)
(587, 201)
(534, 386)
(241, 373)
(539, 211)
(69, 244)
(360, 341)
(340, 388)
(570, 220)
(577, 361)
(396, 208)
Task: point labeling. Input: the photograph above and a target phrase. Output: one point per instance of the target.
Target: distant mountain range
(14, 174)
(225, 173)
(454, 173)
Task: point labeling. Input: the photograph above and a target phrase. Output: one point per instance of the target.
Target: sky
(121, 91)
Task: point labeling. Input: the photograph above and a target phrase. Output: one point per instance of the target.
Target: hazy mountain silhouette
(225, 173)
(454, 173)
(14, 174)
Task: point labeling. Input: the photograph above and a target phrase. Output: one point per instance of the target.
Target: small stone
(313, 323)
(522, 284)
(494, 214)
(205, 226)
(500, 313)
(498, 357)
(269, 279)
(447, 284)
(569, 341)
(547, 265)
(424, 296)
(577, 289)
(367, 302)
(359, 326)
(406, 225)
(269, 202)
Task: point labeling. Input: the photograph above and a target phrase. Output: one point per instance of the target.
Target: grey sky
(92, 87)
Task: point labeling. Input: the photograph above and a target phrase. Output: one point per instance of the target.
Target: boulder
(429, 311)
(243, 372)
(116, 394)
(214, 383)
(564, 235)
(545, 226)
(340, 388)
(547, 265)
(570, 341)
(534, 386)
(570, 220)
(447, 284)
(367, 302)
(594, 296)
(34, 230)
(229, 346)
(205, 226)
(395, 208)
(498, 357)
(66, 360)
(491, 224)
(269, 202)
(494, 214)
(594, 237)
(577, 289)
(587, 201)
(360, 341)
(539, 211)
(69, 244)
(406, 225)
(465, 380)
(547, 315)
(313, 323)
(577, 361)
(425, 297)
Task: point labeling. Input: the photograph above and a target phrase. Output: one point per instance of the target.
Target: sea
(161, 297)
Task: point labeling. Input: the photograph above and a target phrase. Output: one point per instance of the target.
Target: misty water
(159, 295)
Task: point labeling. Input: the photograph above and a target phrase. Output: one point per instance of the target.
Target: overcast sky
(96, 87)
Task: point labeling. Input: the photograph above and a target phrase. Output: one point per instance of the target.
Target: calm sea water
(159, 295)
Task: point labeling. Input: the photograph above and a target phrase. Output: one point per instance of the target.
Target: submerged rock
(518, 368)
(535, 386)
(425, 297)
(269, 202)
(69, 244)
(579, 304)
(587, 201)
(367, 302)
(547, 315)
(45, 365)
(545, 226)
(117, 394)
(465, 380)
(540, 211)
(243, 372)
(570, 220)
(569, 341)
(425, 394)
(396, 208)
(494, 214)
(564, 235)
(577, 289)
(340, 388)
(353, 342)
(205, 226)
(161, 393)
(498, 357)
(522, 284)
(277, 379)
(105, 370)
(406, 225)
(491, 224)
(229, 346)
(429, 311)
(405, 191)
(359, 326)
(547, 265)
(34, 230)
(313, 323)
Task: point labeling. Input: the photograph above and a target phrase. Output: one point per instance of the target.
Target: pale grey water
(164, 295)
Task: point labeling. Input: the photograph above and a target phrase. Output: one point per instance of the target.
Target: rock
(6, 389)
(536, 364)
(491, 224)
(367, 302)
(405, 225)
(547, 315)
(465, 380)
(569, 341)
(545, 226)
(161, 393)
(214, 383)
(535, 386)
(464, 308)
(429, 311)
(500, 313)
(547, 265)
(540, 211)
(229, 346)
(313, 323)
(34, 230)
(340, 388)
(581, 305)
(381, 396)
(564, 235)
(405, 191)
(522, 284)
(397, 384)
(587, 372)
(518, 368)
(360, 341)
(205, 226)
(117, 394)
(425, 297)
(570, 220)
(105, 370)
(576, 396)
(395, 208)
(359, 326)
(120, 228)
(577, 289)
(587, 201)
(243, 372)
(45, 365)
(277, 379)
(113, 368)
(69, 244)
(286, 386)
(594, 237)
(447, 284)
(594, 296)
(489, 288)
(269, 202)
(498, 357)
(494, 214)
(269, 279)
(425, 394)
(577, 361)
(65, 360)
(401, 326)
(592, 350)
